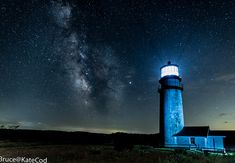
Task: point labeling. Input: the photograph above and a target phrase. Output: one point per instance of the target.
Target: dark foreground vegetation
(63, 147)
(107, 154)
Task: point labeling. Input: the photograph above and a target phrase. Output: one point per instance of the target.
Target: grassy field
(106, 154)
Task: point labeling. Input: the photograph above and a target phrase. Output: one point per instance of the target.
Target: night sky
(94, 66)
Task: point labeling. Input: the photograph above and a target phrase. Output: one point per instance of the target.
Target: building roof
(194, 131)
(227, 133)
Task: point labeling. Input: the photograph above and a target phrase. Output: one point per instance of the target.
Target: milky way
(93, 70)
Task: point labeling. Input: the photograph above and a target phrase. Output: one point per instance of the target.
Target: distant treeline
(119, 140)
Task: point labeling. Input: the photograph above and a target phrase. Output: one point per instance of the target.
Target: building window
(192, 140)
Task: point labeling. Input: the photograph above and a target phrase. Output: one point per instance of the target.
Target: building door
(192, 142)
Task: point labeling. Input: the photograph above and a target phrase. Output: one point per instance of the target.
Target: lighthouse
(171, 104)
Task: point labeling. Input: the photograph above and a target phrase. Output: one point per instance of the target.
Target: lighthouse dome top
(169, 69)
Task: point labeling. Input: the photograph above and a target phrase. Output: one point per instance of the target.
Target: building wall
(173, 114)
(184, 141)
(215, 142)
(201, 142)
(210, 142)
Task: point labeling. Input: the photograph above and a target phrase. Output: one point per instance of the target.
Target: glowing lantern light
(169, 70)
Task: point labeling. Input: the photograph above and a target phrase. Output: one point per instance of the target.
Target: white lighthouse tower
(171, 104)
